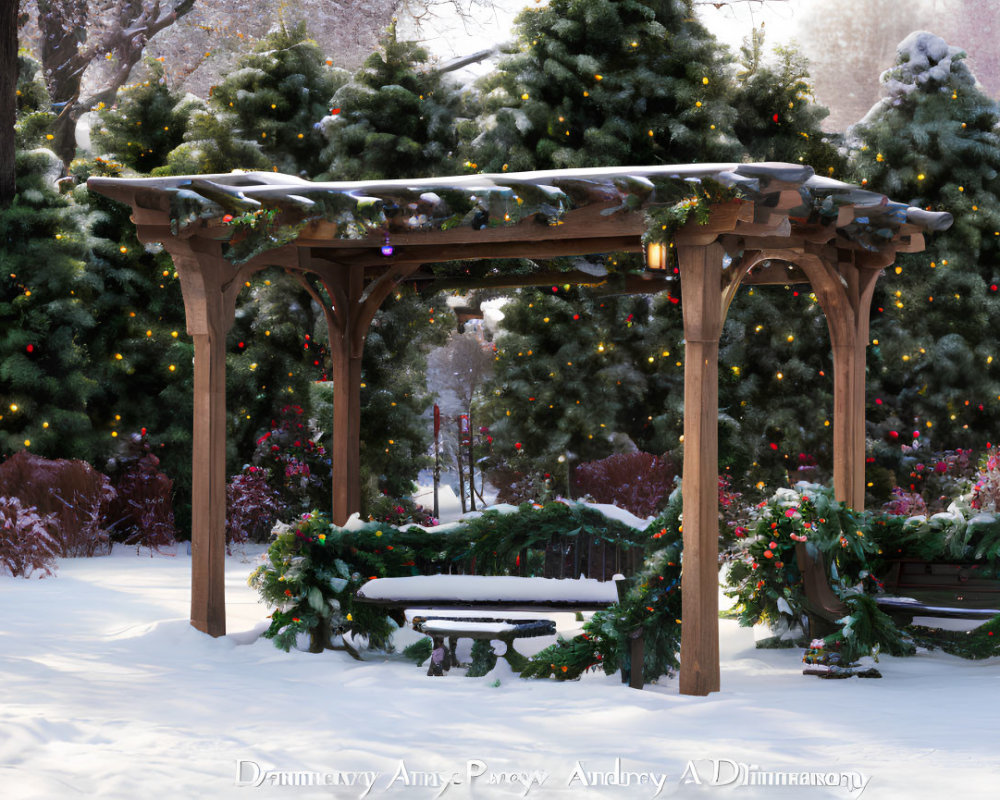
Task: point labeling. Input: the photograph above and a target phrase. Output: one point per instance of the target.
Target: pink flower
(790, 512)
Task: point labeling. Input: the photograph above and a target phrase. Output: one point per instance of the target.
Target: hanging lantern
(656, 256)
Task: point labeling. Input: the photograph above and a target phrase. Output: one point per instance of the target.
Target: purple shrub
(252, 506)
(72, 492)
(905, 504)
(637, 482)
(142, 513)
(27, 539)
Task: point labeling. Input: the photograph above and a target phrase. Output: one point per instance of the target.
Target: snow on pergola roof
(259, 211)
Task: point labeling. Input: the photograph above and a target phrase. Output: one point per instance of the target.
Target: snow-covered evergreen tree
(147, 121)
(46, 313)
(777, 117)
(398, 118)
(933, 142)
(265, 113)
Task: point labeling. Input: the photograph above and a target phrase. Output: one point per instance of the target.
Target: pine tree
(34, 119)
(276, 352)
(777, 117)
(770, 358)
(265, 113)
(147, 121)
(45, 314)
(573, 375)
(599, 83)
(775, 387)
(604, 83)
(142, 357)
(932, 142)
(395, 435)
(397, 118)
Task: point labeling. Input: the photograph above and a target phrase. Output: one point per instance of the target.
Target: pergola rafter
(788, 226)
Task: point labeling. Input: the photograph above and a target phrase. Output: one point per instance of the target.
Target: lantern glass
(656, 256)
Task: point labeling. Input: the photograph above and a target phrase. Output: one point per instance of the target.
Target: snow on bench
(488, 591)
(480, 628)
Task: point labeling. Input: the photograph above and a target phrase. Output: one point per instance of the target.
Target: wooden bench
(499, 593)
(943, 591)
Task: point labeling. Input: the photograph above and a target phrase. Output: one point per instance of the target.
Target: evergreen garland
(313, 569)
(766, 581)
(651, 606)
(419, 651)
(981, 642)
(868, 631)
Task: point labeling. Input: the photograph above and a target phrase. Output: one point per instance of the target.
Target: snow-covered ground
(106, 691)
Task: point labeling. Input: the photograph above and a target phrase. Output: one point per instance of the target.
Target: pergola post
(209, 287)
(346, 452)
(844, 285)
(702, 303)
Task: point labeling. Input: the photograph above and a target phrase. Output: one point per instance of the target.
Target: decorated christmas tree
(46, 313)
(276, 351)
(264, 114)
(777, 117)
(147, 121)
(139, 355)
(605, 82)
(773, 353)
(934, 378)
(575, 374)
(397, 118)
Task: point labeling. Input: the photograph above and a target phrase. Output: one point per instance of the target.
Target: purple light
(387, 249)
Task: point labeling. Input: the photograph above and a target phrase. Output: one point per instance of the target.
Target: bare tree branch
(75, 34)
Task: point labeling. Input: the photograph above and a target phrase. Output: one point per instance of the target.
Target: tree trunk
(61, 23)
(70, 43)
(8, 97)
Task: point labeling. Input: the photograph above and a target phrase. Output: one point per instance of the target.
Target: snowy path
(106, 691)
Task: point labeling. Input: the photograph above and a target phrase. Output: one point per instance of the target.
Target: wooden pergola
(352, 244)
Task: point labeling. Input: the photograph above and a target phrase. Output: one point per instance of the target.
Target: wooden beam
(593, 220)
(646, 283)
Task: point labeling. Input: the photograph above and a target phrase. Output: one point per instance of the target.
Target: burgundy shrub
(74, 493)
(637, 482)
(27, 539)
(142, 514)
(252, 506)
